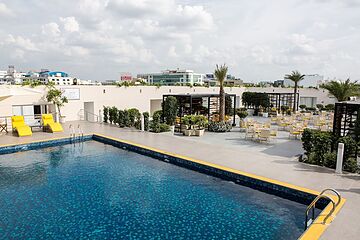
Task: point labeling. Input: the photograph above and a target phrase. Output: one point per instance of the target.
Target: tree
(342, 90)
(170, 108)
(296, 77)
(55, 96)
(220, 74)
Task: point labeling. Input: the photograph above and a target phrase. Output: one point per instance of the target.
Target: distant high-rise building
(173, 77)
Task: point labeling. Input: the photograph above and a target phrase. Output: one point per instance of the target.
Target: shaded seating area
(19, 127)
(49, 125)
(203, 104)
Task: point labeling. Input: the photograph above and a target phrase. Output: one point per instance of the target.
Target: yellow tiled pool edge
(313, 232)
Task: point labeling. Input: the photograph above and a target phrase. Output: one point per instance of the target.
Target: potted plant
(188, 122)
(200, 123)
(242, 113)
(170, 110)
(55, 96)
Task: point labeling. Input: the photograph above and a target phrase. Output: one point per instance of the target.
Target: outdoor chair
(50, 125)
(19, 126)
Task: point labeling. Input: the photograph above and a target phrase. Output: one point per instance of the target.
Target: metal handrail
(86, 113)
(312, 205)
(334, 191)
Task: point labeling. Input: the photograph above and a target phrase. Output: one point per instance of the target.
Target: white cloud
(70, 24)
(172, 52)
(50, 29)
(21, 42)
(5, 11)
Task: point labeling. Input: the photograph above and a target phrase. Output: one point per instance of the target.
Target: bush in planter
(350, 165)
(134, 118)
(220, 127)
(285, 109)
(158, 116)
(319, 107)
(201, 121)
(241, 113)
(121, 115)
(113, 115)
(228, 105)
(170, 106)
(126, 119)
(302, 107)
(146, 116)
(330, 107)
(316, 144)
(106, 114)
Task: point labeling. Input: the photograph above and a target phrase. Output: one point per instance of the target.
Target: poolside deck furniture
(294, 132)
(19, 126)
(264, 135)
(50, 125)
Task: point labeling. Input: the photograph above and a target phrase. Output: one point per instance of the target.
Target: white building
(173, 77)
(56, 77)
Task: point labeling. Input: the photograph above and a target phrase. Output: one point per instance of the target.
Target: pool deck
(276, 161)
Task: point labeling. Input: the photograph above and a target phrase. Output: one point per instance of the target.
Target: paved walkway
(276, 161)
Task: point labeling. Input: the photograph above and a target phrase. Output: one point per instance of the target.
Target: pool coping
(314, 231)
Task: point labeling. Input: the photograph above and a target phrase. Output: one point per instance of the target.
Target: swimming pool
(94, 190)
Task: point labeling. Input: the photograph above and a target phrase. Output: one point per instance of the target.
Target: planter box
(188, 132)
(62, 119)
(199, 132)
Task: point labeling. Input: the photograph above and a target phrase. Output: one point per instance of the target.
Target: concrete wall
(131, 97)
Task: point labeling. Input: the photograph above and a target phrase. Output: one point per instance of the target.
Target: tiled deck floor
(275, 161)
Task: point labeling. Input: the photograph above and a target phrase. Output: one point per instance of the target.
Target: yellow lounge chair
(49, 124)
(19, 126)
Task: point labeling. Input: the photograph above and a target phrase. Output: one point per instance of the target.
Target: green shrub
(320, 107)
(241, 113)
(220, 127)
(302, 106)
(126, 119)
(146, 116)
(158, 116)
(330, 160)
(134, 118)
(170, 106)
(106, 114)
(317, 142)
(330, 107)
(228, 105)
(121, 115)
(164, 127)
(310, 109)
(113, 115)
(350, 165)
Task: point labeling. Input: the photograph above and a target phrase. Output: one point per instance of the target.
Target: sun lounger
(50, 125)
(19, 126)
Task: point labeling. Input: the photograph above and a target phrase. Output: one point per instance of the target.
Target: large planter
(265, 114)
(188, 132)
(172, 129)
(220, 127)
(199, 132)
(250, 112)
(62, 119)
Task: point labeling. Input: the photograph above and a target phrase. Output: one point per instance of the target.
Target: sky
(258, 40)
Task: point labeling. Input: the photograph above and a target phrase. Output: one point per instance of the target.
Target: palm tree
(220, 74)
(296, 77)
(342, 90)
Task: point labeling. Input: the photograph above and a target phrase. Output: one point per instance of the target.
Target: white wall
(131, 97)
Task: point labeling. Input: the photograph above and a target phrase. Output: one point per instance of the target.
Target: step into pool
(92, 190)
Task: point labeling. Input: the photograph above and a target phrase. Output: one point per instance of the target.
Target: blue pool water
(96, 191)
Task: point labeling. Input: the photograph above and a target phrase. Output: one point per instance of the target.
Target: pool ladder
(312, 206)
(73, 133)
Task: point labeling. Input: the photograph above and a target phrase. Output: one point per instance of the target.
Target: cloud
(21, 42)
(5, 11)
(50, 29)
(140, 8)
(70, 24)
(172, 52)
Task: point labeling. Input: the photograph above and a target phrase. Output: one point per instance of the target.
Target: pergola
(204, 104)
(283, 99)
(347, 120)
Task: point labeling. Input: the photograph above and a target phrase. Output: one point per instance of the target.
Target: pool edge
(314, 231)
